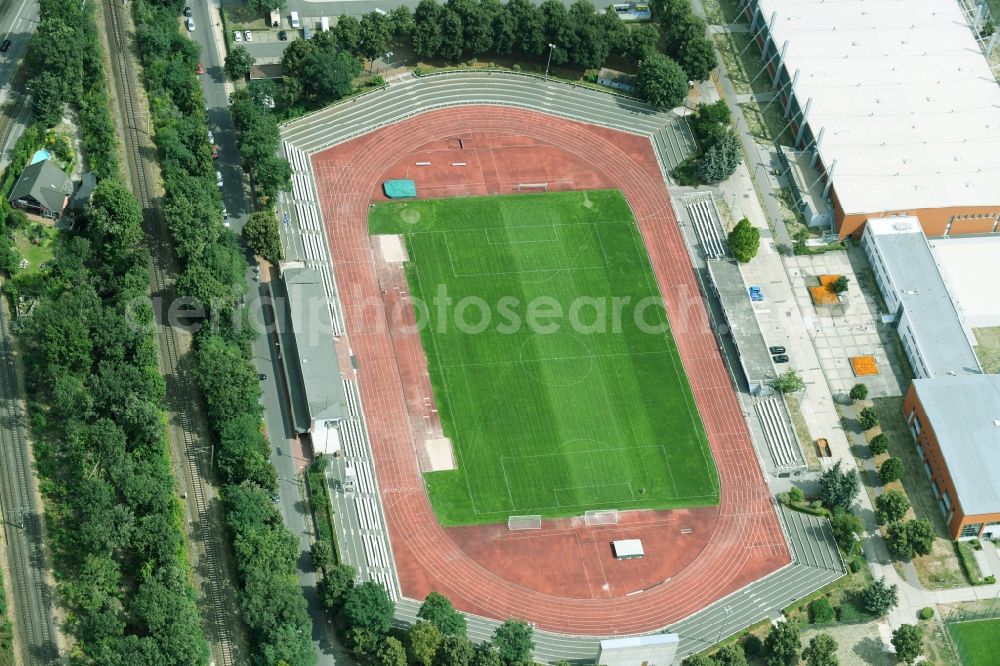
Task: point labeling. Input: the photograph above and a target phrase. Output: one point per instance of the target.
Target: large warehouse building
(896, 104)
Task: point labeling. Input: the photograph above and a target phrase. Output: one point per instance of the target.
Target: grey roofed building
(930, 327)
(964, 412)
(82, 195)
(43, 188)
(315, 355)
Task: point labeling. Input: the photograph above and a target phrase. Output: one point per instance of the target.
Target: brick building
(955, 423)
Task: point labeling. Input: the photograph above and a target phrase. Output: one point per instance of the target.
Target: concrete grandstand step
(706, 226)
(780, 440)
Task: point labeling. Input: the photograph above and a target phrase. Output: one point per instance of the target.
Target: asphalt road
(17, 23)
(266, 353)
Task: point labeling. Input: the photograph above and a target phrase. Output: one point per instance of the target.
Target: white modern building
(934, 337)
(896, 104)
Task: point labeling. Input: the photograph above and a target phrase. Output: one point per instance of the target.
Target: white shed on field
(627, 549)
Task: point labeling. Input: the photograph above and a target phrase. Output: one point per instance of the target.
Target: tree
(437, 610)
(661, 81)
(920, 534)
(879, 444)
(908, 640)
(452, 36)
(265, 6)
(697, 57)
(879, 598)
(422, 642)
(368, 606)
(868, 418)
(401, 22)
(513, 642)
(374, 35)
(48, 95)
(348, 33)
(821, 651)
(390, 652)
(453, 651)
(782, 644)
(720, 159)
(330, 76)
(262, 237)
(427, 20)
(526, 18)
(730, 655)
(788, 382)
(796, 495)
(898, 539)
(114, 222)
(890, 470)
(891, 506)
(336, 584)
(839, 285)
(821, 611)
(321, 553)
(858, 392)
(698, 660)
(744, 241)
(238, 63)
(641, 39)
(838, 488)
(709, 121)
(485, 654)
(847, 529)
(272, 174)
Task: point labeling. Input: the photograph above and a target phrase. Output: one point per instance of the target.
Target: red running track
(746, 542)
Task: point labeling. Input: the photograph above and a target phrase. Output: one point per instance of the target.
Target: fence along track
(211, 560)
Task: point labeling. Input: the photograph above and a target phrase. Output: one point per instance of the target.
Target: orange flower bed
(827, 280)
(822, 296)
(864, 365)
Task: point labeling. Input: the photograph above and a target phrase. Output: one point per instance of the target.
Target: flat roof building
(314, 359)
(971, 269)
(653, 650)
(930, 327)
(897, 104)
(955, 422)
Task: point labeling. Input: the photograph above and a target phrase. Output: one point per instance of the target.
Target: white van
(324, 24)
(295, 20)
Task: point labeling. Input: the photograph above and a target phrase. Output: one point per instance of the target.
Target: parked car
(780, 358)
(5, 45)
(237, 36)
(776, 350)
(248, 35)
(756, 294)
(261, 376)
(218, 179)
(187, 11)
(282, 35)
(201, 68)
(294, 21)
(190, 24)
(215, 156)
(211, 137)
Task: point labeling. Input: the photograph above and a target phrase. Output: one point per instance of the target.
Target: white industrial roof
(910, 106)
(972, 270)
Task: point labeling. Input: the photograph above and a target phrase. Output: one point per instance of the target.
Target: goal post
(601, 517)
(532, 187)
(524, 523)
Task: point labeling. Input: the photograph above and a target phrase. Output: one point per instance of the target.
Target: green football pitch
(976, 641)
(552, 364)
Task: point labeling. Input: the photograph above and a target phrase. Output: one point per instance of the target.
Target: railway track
(14, 107)
(22, 522)
(181, 391)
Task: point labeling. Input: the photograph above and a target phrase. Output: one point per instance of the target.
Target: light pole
(552, 48)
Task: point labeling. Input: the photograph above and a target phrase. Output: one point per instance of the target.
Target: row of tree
(258, 139)
(317, 72)
(266, 554)
(719, 151)
(101, 449)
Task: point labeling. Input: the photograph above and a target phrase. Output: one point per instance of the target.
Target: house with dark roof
(43, 189)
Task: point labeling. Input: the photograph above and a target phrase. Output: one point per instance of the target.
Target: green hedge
(968, 561)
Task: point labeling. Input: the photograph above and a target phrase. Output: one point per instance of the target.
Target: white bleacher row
(367, 513)
(705, 225)
(300, 187)
(298, 160)
(353, 399)
(308, 216)
(333, 302)
(352, 438)
(366, 480)
(375, 551)
(780, 440)
(385, 580)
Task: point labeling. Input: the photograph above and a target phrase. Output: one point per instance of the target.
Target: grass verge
(321, 504)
